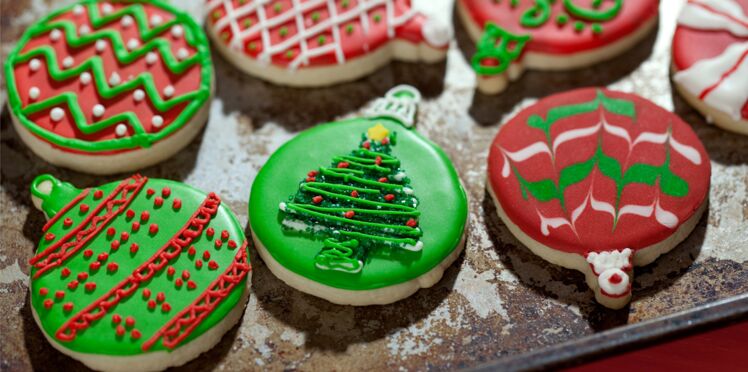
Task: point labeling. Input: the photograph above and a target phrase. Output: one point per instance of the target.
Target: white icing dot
(177, 31)
(67, 61)
(84, 29)
(138, 95)
(34, 65)
(100, 45)
(156, 20)
(57, 114)
(157, 121)
(282, 206)
(106, 8)
(120, 129)
(85, 78)
(182, 53)
(98, 110)
(132, 44)
(55, 35)
(34, 93)
(169, 91)
(126, 21)
(114, 79)
(78, 9)
(151, 58)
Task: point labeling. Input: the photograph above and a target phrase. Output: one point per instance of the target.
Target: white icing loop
(614, 282)
(436, 33)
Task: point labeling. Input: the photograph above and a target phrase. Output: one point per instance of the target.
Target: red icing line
(180, 327)
(726, 15)
(729, 72)
(192, 229)
(97, 223)
(64, 210)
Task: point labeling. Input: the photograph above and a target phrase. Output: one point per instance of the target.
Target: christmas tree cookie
(106, 87)
(141, 274)
(710, 60)
(362, 211)
(317, 43)
(514, 35)
(599, 181)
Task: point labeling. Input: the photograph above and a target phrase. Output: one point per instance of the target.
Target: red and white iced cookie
(322, 42)
(710, 60)
(599, 181)
(550, 35)
(106, 87)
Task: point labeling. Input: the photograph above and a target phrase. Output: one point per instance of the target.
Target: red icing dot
(191, 251)
(49, 236)
(129, 321)
(378, 160)
(146, 293)
(350, 214)
(165, 192)
(198, 264)
(149, 192)
(124, 236)
(94, 265)
(317, 199)
(90, 286)
(354, 194)
(114, 245)
(67, 222)
(210, 232)
(82, 276)
(232, 244)
(151, 304)
(176, 204)
(120, 330)
(103, 256)
(310, 179)
(73, 284)
(160, 297)
(218, 243)
(84, 208)
(212, 265)
(191, 284)
(343, 164)
(178, 282)
(153, 228)
(135, 334)
(206, 255)
(43, 291)
(145, 216)
(68, 306)
(110, 231)
(159, 201)
(98, 194)
(135, 226)
(112, 266)
(383, 180)
(186, 274)
(165, 307)
(87, 253)
(65, 272)
(615, 278)
(385, 140)
(389, 197)
(366, 145)
(312, 173)
(134, 248)
(224, 234)
(130, 214)
(116, 319)
(48, 304)
(170, 271)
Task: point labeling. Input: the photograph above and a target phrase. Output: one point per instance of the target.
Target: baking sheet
(497, 301)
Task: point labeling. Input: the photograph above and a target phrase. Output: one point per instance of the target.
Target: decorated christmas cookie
(513, 35)
(141, 274)
(362, 211)
(710, 60)
(599, 181)
(106, 87)
(316, 43)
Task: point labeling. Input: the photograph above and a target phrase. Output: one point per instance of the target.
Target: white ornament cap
(436, 33)
(400, 104)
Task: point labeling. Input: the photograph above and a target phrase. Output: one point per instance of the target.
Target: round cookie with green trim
(107, 87)
(362, 211)
(141, 274)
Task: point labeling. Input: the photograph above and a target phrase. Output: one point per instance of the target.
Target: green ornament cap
(50, 195)
(399, 103)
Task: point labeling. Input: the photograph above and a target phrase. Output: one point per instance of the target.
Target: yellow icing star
(377, 132)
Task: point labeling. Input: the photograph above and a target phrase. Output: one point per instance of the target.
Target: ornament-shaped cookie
(599, 181)
(515, 35)
(710, 60)
(317, 43)
(141, 274)
(362, 211)
(106, 87)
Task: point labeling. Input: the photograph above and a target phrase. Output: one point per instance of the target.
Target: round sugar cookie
(362, 211)
(515, 35)
(318, 43)
(710, 60)
(107, 87)
(599, 181)
(136, 275)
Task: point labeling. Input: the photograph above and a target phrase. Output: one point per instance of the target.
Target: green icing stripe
(195, 100)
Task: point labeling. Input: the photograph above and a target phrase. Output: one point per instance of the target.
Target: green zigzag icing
(196, 99)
